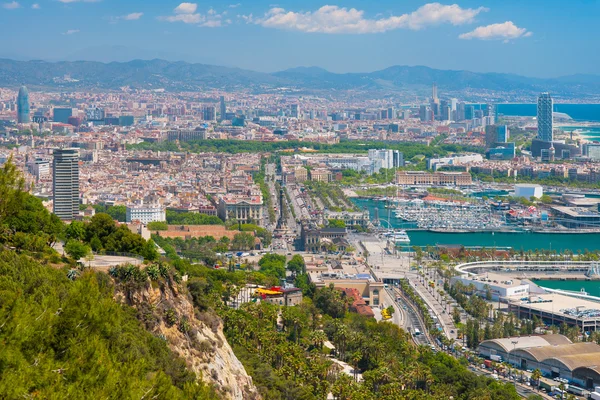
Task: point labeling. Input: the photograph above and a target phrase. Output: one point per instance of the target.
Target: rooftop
(562, 305)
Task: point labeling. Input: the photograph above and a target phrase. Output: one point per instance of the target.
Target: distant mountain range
(161, 74)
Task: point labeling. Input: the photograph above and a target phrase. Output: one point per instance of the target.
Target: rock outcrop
(167, 311)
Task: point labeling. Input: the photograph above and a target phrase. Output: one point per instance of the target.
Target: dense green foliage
(118, 213)
(273, 265)
(70, 339)
(296, 265)
(189, 218)
(246, 146)
(336, 223)
(330, 195)
(104, 235)
(264, 188)
(243, 241)
(500, 177)
(287, 358)
(202, 249)
(158, 226)
(262, 233)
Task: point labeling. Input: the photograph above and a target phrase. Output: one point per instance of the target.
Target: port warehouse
(554, 355)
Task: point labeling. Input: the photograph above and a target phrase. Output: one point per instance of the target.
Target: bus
(417, 332)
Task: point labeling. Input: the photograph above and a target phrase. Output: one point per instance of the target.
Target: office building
(39, 168)
(445, 110)
(453, 104)
(210, 113)
(593, 151)
(503, 134)
(145, 213)
(223, 108)
(425, 113)
(65, 180)
(385, 159)
(126, 120)
(501, 151)
(95, 114)
(545, 121)
(469, 111)
(186, 135)
(23, 111)
(391, 113)
(460, 112)
(62, 115)
(488, 110)
(295, 111)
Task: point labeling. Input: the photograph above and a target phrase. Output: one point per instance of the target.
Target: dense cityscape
(177, 230)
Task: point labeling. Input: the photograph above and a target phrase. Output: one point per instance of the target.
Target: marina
(524, 240)
(448, 215)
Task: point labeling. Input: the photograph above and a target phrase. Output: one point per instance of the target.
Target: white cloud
(185, 18)
(11, 6)
(133, 16)
(71, 32)
(186, 13)
(35, 6)
(213, 23)
(186, 8)
(505, 31)
(334, 19)
(78, 1)
(236, 5)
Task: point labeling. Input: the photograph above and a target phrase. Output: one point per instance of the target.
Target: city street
(390, 267)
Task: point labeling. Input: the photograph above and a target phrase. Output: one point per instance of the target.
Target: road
(390, 267)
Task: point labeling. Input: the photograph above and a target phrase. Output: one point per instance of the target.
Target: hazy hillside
(169, 75)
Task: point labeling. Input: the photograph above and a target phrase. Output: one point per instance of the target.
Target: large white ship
(400, 238)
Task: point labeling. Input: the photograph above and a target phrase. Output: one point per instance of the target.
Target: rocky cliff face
(167, 311)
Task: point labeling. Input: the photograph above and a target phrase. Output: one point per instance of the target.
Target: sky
(537, 38)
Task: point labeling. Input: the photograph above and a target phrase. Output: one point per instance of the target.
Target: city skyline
(269, 38)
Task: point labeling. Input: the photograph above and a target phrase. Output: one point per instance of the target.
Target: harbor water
(525, 241)
(591, 287)
(579, 112)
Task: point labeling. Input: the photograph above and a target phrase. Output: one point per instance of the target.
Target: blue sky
(542, 38)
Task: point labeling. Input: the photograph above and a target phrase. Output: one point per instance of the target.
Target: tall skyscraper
(65, 179)
(503, 134)
(434, 92)
(391, 113)
(23, 106)
(545, 121)
(460, 112)
(210, 113)
(469, 111)
(223, 108)
(295, 111)
(445, 111)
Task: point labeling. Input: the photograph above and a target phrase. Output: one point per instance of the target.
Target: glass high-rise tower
(23, 106)
(65, 180)
(545, 122)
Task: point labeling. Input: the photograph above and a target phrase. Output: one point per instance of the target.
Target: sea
(579, 112)
(525, 241)
(591, 287)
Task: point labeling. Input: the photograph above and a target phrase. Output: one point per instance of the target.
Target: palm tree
(356, 357)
